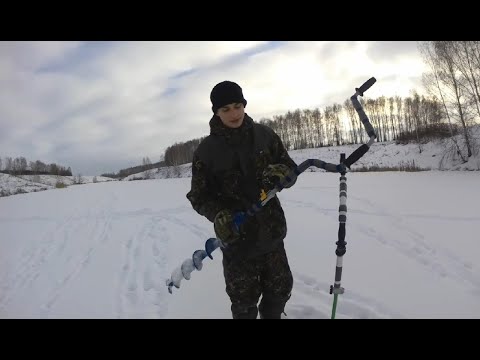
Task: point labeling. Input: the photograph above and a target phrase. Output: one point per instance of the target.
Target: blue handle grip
(239, 219)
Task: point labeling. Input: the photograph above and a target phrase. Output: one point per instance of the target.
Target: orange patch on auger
(263, 195)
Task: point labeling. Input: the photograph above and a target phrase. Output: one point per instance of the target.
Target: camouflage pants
(267, 275)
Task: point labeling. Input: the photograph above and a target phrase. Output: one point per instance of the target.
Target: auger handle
(240, 217)
(363, 117)
(357, 154)
(366, 85)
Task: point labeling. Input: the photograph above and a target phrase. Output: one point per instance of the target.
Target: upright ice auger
(196, 261)
(342, 210)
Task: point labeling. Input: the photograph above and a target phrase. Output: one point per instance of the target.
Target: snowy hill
(435, 155)
(21, 184)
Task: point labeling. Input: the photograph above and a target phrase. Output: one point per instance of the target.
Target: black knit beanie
(224, 93)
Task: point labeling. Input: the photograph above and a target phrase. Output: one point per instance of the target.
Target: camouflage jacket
(227, 172)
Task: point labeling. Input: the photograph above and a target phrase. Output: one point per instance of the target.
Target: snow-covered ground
(105, 250)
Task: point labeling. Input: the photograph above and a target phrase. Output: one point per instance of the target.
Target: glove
(276, 173)
(225, 228)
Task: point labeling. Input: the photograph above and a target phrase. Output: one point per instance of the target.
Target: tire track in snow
(198, 231)
(433, 257)
(141, 291)
(412, 245)
(33, 261)
(53, 250)
(97, 235)
(80, 264)
(349, 304)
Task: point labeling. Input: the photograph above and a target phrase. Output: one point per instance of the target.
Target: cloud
(92, 104)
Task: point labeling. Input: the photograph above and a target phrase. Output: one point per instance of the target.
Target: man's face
(232, 115)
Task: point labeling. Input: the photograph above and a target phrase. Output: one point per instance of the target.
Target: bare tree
(442, 54)
(19, 165)
(399, 104)
(381, 104)
(445, 51)
(371, 107)
(463, 57)
(318, 123)
(391, 102)
(431, 82)
(15, 165)
(32, 167)
(337, 125)
(283, 130)
(53, 169)
(415, 111)
(352, 115)
(41, 167)
(78, 179)
(407, 114)
(8, 164)
(176, 171)
(329, 119)
(308, 127)
(22, 162)
(147, 164)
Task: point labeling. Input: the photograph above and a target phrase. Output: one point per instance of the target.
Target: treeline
(394, 118)
(414, 118)
(20, 166)
(146, 165)
(177, 154)
(181, 153)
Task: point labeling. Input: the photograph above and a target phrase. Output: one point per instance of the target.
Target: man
(230, 169)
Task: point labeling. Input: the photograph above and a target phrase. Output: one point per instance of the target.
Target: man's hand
(276, 173)
(225, 228)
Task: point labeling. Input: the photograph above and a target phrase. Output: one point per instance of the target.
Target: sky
(106, 249)
(100, 107)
